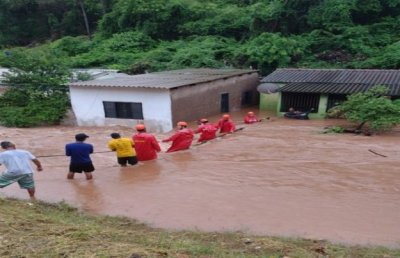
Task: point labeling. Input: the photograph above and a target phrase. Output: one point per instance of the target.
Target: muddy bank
(279, 177)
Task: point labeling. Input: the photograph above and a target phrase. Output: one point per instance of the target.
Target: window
(125, 110)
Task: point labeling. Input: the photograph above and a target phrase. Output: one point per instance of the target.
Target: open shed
(321, 89)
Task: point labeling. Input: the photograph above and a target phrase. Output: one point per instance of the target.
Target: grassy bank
(57, 230)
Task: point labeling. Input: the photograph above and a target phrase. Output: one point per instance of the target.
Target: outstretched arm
(38, 164)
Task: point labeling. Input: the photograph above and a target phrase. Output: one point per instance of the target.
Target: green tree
(37, 94)
(332, 15)
(372, 108)
(268, 51)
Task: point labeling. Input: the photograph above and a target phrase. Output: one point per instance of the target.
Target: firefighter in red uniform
(182, 139)
(226, 125)
(208, 131)
(146, 145)
(250, 118)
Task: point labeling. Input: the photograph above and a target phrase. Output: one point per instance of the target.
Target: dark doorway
(247, 98)
(224, 102)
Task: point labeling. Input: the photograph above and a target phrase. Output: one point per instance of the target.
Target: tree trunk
(80, 2)
(360, 126)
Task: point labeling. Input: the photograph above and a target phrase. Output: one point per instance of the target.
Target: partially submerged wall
(190, 103)
(87, 104)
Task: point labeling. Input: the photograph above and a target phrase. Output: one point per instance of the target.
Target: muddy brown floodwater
(280, 177)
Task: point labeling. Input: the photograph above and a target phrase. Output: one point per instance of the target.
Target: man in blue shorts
(18, 167)
(79, 152)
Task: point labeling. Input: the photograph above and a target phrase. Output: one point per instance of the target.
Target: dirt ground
(279, 177)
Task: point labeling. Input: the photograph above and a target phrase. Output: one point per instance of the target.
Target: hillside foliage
(37, 94)
(151, 35)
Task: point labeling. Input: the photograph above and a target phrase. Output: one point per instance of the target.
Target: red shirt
(146, 146)
(250, 119)
(226, 126)
(181, 140)
(208, 132)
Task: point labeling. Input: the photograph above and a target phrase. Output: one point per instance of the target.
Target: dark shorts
(79, 168)
(130, 160)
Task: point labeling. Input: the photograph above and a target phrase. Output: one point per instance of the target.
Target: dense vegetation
(37, 94)
(372, 108)
(140, 35)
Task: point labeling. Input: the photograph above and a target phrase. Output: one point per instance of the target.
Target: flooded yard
(279, 177)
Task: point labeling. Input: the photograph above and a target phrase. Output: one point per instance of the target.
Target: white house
(161, 99)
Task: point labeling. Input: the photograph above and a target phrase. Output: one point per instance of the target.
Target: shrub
(373, 108)
(37, 93)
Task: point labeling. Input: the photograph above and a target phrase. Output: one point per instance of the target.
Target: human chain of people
(142, 146)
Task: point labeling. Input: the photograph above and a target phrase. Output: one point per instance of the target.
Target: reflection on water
(144, 171)
(88, 193)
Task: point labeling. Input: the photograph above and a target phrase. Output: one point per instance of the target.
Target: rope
(218, 136)
(63, 155)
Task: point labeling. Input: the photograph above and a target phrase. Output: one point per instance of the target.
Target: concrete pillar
(323, 103)
(278, 106)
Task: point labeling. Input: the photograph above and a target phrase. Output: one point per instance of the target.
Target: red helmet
(140, 127)
(182, 123)
(226, 117)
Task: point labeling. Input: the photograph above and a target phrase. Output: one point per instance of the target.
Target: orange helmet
(204, 120)
(250, 113)
(140, 127)
(226, 117)
(182, 123)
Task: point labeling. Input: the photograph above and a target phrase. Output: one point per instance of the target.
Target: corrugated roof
(164, 80)
(334, 88)
(95, 73)
(268, 88)
(349, 76)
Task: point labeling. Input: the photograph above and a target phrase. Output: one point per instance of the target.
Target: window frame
(123, 110)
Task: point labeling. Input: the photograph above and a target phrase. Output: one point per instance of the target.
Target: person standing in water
(182, 139)
(251, 118)
(207, 131)
(79, 152)
(226, 125)
(18, 167)
(125, 149)
(146, 145)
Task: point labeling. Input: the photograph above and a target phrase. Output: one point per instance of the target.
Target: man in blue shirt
(80, 157)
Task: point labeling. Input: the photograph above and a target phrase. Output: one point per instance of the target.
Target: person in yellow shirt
(125, 149)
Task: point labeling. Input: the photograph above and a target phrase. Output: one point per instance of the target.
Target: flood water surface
(279, 177)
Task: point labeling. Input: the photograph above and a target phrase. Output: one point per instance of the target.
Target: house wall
(87, 104)
(323, 103)
(269, 102)
(278, 106)
(189, 103)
